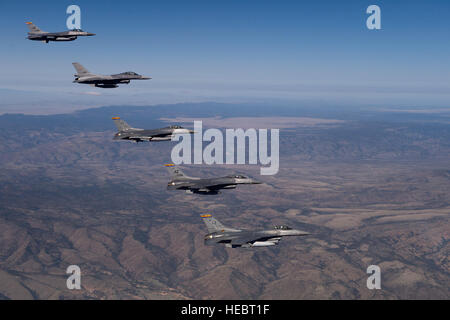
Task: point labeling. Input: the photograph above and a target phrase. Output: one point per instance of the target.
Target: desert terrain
(371, 189)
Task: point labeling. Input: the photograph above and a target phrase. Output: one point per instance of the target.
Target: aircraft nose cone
(91, 34)
(145, 78)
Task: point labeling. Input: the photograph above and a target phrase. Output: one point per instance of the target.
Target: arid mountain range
(371, 186)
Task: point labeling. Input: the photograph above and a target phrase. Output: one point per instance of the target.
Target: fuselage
(108, 81)
(208, 185)
(162, 134)
(261, 238)
(69, 35)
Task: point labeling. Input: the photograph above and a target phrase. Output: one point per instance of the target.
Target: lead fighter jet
(180, 181)
(126, 132)
(104, 81)
(69, 35)
(234, 238)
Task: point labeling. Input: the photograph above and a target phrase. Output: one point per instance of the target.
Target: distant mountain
(98, 119)
(364, 135)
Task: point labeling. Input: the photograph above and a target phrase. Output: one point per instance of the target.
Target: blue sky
(229, 51)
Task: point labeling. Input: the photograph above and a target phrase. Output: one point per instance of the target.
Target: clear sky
(229, 50)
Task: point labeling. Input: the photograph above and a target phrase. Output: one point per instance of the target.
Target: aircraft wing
(149, 136)
(105, 79)
(251, 237)
(140, 138)
(50, 36)
(189, 184)
(209, 185)
(160, 135)
(54, 35)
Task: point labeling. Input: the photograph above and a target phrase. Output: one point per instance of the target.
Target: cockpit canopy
(78, 30)
(281, 227)
(239, 176)
(130, 73)
(175, 127)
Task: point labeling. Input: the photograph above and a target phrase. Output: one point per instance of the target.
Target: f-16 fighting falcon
(181, 181)
(69, 35)
(104, 81)
(233, 238)
(138, 135)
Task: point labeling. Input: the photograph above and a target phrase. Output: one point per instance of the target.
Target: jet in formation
(104, 81)
(234, 238)
(180, 181)
(69, 35)
(126, 132)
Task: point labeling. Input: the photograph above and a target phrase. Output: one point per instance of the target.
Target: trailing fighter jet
(69, 35)
(233, 238)
(180, 181)
(104, 81)
(126, 132)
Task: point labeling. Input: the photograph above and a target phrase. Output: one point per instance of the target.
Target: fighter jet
(69, 35)
(135, 134)
(234, 238)
(180, 181)
(104, 81)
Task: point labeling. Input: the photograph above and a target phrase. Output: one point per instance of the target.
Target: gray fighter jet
(104, 81)
(126, 132)
(180, 181)
(69, 35)
(234, 238)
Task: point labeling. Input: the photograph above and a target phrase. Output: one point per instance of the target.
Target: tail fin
(80, 69)
(214, 225)
(121, 124)
(175, 172)
(33, 28)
